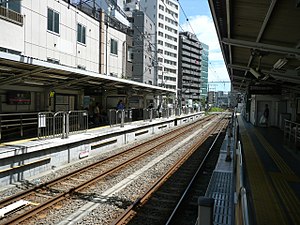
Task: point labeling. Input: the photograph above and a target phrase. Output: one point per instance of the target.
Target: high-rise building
(204, 70)
(143, 51)
(189, 70)
(165, 15)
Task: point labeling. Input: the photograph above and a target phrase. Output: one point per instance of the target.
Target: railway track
(174, 196)
(52, 193)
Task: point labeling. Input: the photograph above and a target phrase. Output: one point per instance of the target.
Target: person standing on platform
(97, 114)
(120, 105)
(266, 115)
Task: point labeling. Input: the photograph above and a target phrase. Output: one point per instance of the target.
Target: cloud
(203, 26)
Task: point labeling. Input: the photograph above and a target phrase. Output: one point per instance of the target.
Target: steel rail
(131, 210)
(59, 197)
(194, 177)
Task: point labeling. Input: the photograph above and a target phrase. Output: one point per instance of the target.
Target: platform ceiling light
(33, 82)
(57, 77)
(5, 68)
(94, 82)
(255, 73)
(280, 63)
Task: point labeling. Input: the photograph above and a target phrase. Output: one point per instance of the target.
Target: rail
(241, 208)
(61, 123)
(14, 123)
(11, 15)
(241, 202)
(119, 117)
(291, 131)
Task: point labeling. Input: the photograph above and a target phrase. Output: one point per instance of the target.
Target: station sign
(264, 90)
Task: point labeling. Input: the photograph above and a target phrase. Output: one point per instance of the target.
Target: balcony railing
(11, 16)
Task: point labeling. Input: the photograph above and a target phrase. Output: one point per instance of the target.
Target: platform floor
(272, 173)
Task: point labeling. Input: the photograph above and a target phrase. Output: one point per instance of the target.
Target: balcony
(11, 16)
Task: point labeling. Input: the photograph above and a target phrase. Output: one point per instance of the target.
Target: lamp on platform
(280, 63)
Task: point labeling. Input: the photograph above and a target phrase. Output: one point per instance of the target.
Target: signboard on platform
(264, 90)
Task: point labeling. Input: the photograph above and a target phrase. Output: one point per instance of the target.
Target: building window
(12, 5)
(53, 21)
(113, 46)
(81, 33)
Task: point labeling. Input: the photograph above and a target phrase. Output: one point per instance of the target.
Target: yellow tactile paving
(282, 166)
(288, 197)
(17, 142)
(266, 205)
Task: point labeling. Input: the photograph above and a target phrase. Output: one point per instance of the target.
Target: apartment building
(165, 15)
(204, 70)
(189, 77)
(51, 31)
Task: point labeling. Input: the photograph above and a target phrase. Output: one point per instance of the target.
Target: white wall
(34, 40)
(257, 108)
(115, 62)
(12, 36)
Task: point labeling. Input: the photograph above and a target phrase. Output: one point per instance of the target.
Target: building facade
(189, 78)
(165, 16)
(204, 71)
(52, 31)
(143, 51)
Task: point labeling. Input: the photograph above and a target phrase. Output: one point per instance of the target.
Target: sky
(200, 19)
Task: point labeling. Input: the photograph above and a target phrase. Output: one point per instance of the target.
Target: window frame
(111, 46)
(81, 37)
(53, 27)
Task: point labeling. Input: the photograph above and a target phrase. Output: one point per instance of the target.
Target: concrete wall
(25, 160)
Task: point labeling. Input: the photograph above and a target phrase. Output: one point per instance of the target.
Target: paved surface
(273, 173)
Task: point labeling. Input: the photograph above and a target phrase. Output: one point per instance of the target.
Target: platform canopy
(260, 42)
(26, 71)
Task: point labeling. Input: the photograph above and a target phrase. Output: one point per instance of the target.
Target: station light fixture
(280, 63)
(57, 76)
(94, 82)
(33, 82)
(255, 73)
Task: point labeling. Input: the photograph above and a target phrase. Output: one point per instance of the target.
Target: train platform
(272, 175)
(26, 158)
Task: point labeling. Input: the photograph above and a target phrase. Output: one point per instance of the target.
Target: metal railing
(16, 123)
(291, 131)
(62, 123)
(11, 15)
(241, 202)
(120, 116)
(241, 209)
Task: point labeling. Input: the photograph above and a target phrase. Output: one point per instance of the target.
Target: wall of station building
(280, 108)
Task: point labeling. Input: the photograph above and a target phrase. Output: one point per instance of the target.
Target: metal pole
(63, 126)
(122, 117)
(229, 134)
(151, 114)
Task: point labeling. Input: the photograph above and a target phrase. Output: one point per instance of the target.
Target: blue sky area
(202, 24)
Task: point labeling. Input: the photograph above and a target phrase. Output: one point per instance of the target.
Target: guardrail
(241, 208)
(241, 202)
(16, 122)
(61, 123)
(120, 116)
(11, 15)
(291, 131)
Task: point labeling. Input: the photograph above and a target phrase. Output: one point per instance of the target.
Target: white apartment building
(165, 15)
(53, 31)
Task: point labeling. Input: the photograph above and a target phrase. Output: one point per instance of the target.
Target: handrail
(11, 15)
(17, 120)
(240, 189)
(291, 130)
